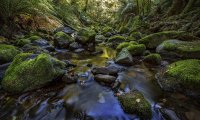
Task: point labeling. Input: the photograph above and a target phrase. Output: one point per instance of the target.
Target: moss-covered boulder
(22, 42)
(182, 76)
(136, 49)
(117, 39)
(29, 71)
(7, 53)
(153, 40)
(154, 59)
(135, 103)
(125, 44)
(34, 37)
(85, 36)
(62, 40)
(124, 57)
(179, 49)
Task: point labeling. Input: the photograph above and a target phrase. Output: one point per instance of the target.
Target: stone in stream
(7, 53)
(153, 59)
(182, 76)
(110, 70)
(62, 40)
(124, 57)
(106, 79)
(70, 78)
(179, 49)
(135, 103)
(29, 71)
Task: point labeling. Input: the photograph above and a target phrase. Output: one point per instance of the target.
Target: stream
(88, 100)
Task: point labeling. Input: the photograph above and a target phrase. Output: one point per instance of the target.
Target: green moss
(62, 36)
(7, 53)
(28, 73)
(153, 40)
(153, 59)
(117, 38)
(130, 38)
(183, 49)
(22, 42)
(136, 49)
(136, 35)
(125, 44)
(34, 37)
(135, 103)
(185, 72)
(86, 35)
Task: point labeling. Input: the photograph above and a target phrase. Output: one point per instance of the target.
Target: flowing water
(90, 100)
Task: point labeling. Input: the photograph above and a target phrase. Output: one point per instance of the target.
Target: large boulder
(182, 76)
(135, 103)
(124, 57)
(154, 59)
(30, 71)
(153, 40)
(179, 49)
(62, 40)
(7, 53)
(85, 36)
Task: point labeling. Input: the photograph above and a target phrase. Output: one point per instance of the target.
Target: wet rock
(135, 103)
(110, 70)
(67, 30)
(70, 78)
(153, 40)
(29, 71)
(124, 57)
(62, 40)
(100, 38)
(154, 59)
(34, 49)
(106, 79)
(117, 39)
(182, 76)
(74, 45)
(7, 53)
(80, 50)
(63, 55)
(179, 49)
(40, 42)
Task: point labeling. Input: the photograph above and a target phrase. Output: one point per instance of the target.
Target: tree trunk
(176, 7)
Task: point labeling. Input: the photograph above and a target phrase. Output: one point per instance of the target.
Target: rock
(110, 70)
(74, 46)
(22, 42)
(182, 76)
(135, 103)
(34, 37)
(85, 36)
(62, 40)
(34, 49)
(136, 49)
(117, 39)
(179, 49)
(153, 40)
(40, 42)
(63, 55)
(106, 79)
(125, 45)
(124, 57)
(70, 78)
(67, 30)
(100, 38)
(7, 53)
(154, 59)
(29, 71)
(136, 35)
